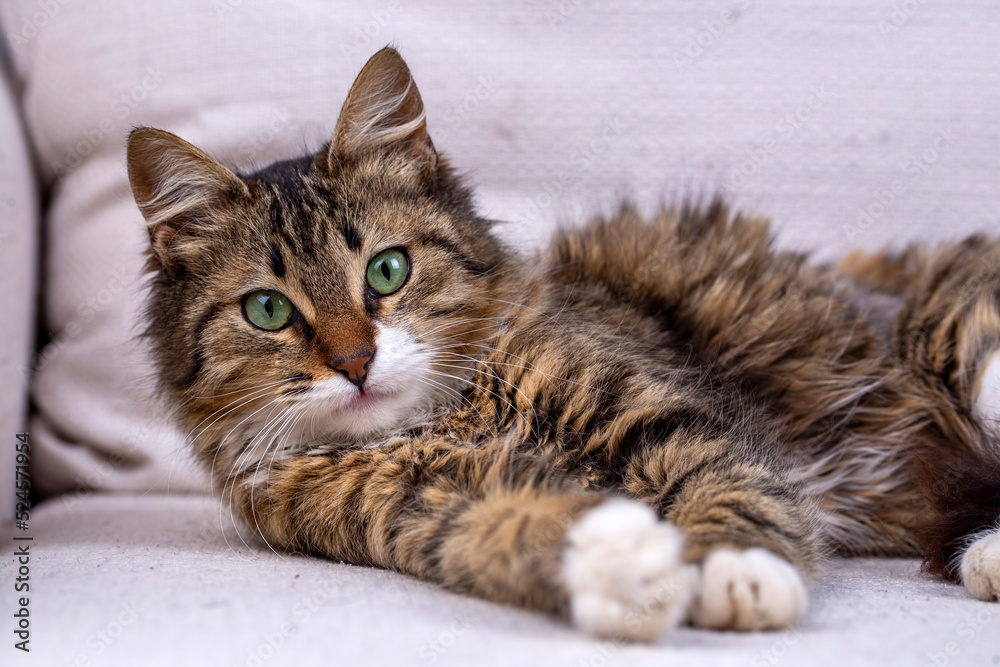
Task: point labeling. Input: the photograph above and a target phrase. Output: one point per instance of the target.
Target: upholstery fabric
(19, 231)
(156, 581)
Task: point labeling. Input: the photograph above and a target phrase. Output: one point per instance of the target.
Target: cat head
(329, 297)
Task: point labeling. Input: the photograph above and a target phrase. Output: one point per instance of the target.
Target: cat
(649, 422)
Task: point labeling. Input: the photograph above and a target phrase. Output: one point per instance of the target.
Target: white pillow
(18, 267)
(804, 112)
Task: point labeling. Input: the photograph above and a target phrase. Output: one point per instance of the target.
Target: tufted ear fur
(384, 113)
(174, 185)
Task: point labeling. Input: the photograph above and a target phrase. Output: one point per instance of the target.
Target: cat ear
(384, 112)
(174, 185)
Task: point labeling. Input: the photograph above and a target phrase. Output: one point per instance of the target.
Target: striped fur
(751, 399)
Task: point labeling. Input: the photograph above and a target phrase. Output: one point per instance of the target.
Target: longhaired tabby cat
(647, 423)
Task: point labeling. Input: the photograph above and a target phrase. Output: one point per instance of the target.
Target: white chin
(373, 415)
(358, 417)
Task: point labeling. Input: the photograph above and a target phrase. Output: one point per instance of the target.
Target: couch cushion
(122, 577)
(19, 231)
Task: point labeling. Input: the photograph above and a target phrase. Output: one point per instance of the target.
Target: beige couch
(855, 125)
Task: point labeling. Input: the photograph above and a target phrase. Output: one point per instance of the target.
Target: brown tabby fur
(681, 361)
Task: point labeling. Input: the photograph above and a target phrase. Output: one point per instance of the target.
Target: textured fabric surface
(807, 113)
(19, 230)
(120, 580)
(851, 125)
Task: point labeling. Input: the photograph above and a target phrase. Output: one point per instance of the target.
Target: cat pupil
(268, 306)
(385, 270)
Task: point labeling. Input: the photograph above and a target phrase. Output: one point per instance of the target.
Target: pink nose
(356, 370)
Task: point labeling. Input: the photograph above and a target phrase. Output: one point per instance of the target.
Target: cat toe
(749, 590)
(625, 574)
(981, 567)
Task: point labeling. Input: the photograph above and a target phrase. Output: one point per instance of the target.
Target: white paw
(624, 572)
(988, 391)
(748, 590)
(981, 567)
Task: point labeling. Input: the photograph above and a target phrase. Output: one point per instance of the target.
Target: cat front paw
(981, 567)
(748, 590)
(625, 573)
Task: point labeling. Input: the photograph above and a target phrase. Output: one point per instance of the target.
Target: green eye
(387, 272)
(268, 310)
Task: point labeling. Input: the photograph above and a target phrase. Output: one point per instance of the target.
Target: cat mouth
(366, 398)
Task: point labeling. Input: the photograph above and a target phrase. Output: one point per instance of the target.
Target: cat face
(325, 298)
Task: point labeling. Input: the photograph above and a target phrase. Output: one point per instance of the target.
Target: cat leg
(749, 590)
(980, 567)
(483, 520)
(948, 333)
(625, 572)
(948, 328)
(752, 535)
